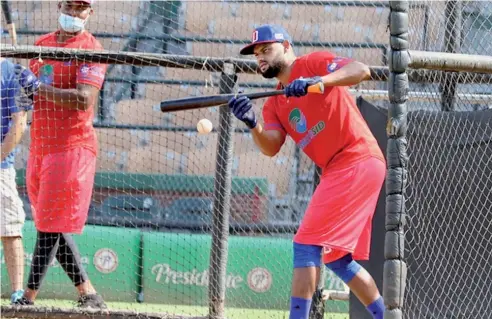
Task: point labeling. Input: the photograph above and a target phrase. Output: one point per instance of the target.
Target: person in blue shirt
(16, 102)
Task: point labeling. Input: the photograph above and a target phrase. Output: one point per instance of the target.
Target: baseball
(204, 126)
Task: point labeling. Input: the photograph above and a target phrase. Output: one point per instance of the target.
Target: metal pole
(452, 44)
(395, 268)
(318, 305)
(222, 196)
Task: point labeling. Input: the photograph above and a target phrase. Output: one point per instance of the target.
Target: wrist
(43, 89)
(251, 124)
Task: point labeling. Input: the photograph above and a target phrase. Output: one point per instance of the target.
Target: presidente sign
(259, 270)
(165, 274)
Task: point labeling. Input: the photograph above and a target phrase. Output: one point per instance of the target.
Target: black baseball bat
(198, 102)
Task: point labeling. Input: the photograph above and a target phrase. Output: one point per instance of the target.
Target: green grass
(231, 313)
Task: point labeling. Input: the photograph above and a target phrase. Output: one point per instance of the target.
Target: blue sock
(299, 308)
(376, 308)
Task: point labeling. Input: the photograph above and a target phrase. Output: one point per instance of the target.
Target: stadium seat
(342, 32)
(240, 28)
(139, 111)
(276, 169)
(22, 13)
(243, 143)
(43, 15)
(155, 159)
(187, 74)
(368, 56)
(204, 49)
(201, 160)
(111, 159)
(260, 11)
(310, 13)
(416, 25)
(179, 142)
(113, 16)
(160, 92)
(365, 15)
(112, 44)
(121, 138)
(198, 14)
(132, 210)
(191, 211)
(116, 145)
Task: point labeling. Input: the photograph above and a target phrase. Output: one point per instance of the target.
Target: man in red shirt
(330, 130)
(62, 159)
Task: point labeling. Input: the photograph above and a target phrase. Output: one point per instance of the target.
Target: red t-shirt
(55, 128)
(328, 127)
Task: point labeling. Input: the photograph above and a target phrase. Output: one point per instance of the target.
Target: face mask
(71, 24)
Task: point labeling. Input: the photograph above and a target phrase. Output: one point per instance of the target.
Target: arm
(351, 74)
(332, 71)
(81, 98)
(269, 142)
(14, 135)
(89, 81)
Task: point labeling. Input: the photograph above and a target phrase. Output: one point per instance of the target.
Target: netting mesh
(436, 26)
(148, 235)
(447, 246)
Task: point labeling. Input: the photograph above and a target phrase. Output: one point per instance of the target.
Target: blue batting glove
(242, 108)
(27, 80)
(299, 86)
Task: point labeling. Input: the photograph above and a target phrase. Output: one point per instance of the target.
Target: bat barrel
(192, 103)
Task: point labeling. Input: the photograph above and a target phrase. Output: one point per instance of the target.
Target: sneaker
(92, 301)
(23, 301)
(16, 295)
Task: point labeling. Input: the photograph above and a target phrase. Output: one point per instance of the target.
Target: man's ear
(59, 5)
(286, 45)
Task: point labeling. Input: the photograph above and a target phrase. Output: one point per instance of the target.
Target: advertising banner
(109, 255)
(259, 271)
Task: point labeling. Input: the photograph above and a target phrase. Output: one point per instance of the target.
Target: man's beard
(272, 71)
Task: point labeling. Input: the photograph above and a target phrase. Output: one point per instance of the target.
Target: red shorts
(339, 216)
(60, 186)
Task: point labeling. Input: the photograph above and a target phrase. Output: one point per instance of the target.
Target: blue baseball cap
(267, 33)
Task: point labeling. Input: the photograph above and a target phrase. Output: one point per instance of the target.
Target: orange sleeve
(324, 62)
(270, 117)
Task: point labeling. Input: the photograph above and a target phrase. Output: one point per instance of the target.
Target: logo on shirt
(84, 69)
(335, 64)
(313, 131)
(46, 74)
(297, 121)
(332, 67)
(91, 73)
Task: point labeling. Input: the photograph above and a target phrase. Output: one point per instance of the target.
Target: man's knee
(307, 255)
(345, 268)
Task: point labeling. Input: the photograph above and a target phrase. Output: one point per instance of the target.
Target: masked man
(62, 157)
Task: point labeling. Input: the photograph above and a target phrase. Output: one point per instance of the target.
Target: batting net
(448, 245)
(151, 230)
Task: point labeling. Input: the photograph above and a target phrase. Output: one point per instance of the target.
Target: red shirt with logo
(55, 128)
(328, 127)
